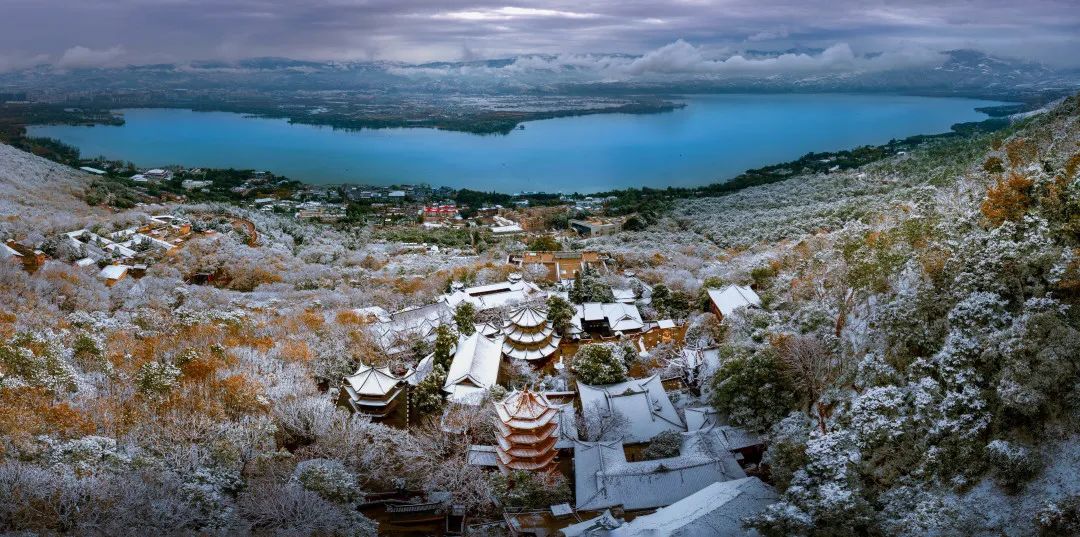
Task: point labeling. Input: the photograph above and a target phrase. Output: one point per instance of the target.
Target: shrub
(993, 165)
(445, 342)
(522, 489)
(1012, 464)
(1059, 519)
(156, 378)
(328, 478)
(589, 287)
(545, 243)
(1008, 199)
(664, 445)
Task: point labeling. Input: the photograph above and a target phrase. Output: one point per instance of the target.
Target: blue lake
(714, 138)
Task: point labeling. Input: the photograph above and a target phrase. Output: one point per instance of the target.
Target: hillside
(38, 195)
(923, 311)
(914, 368)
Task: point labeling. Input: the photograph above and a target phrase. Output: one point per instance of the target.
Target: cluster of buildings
(154, 175)
(124, 252)
(708, 482)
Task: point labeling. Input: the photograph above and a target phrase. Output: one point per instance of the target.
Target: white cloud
(681, 59)
(80, 56)
(14, 62)
(510, 13)
(769, 35)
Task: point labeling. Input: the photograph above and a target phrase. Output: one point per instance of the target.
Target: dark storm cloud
(111, 32)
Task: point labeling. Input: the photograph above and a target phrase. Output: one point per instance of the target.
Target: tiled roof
(643, 402)
(734, 297)
(604, 478)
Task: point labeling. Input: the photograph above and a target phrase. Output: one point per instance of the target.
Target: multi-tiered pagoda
(529, 335)
(373, 391)
(528, 430)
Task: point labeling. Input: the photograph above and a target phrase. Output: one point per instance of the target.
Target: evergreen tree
(590, 287)
(445, 342)
(599, 364)
(560, 313)
(465, 318)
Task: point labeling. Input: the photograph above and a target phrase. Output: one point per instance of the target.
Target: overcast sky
(117, 32)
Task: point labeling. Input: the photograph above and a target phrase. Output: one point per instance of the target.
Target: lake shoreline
(682, 149)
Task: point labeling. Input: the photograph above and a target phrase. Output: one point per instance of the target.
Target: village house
(8, 252)
(112, 274)
(158, 174)
(14, 252)
(596, 227)
(606, 319)
(561, 266)
(438, 212)
(509, 230)
(723, 302)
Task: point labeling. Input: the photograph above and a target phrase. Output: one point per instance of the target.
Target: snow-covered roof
(717, 509)
(568, 433)
(507, 230)
(733, 297)
(417, 374)
(643, 402)
(486, 297)
(604, 478)
(698, 418)
(488, 329)
(374, 312)
(620, 317)
(418, 322)
(85, 262)
(665, 324)
(704, 361)
(474, 369)
(529, 335)
(7, 251)
(371, 381)
(481, 456)
(113, 272)
(595, 526)
(526, 409)
(625, 296)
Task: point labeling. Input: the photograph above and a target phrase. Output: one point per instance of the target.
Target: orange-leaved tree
(1008, 199)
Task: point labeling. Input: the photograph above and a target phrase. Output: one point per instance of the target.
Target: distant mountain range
(955, 72)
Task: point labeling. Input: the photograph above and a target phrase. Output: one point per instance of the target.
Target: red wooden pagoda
(528, 429)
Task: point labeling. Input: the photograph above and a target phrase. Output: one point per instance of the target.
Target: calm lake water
(714, 138)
